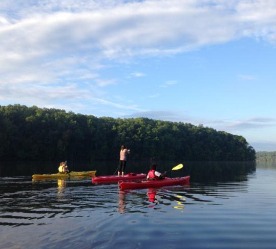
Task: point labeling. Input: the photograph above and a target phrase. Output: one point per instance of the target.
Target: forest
(35, 134)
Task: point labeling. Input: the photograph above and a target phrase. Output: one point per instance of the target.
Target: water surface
(77, 214)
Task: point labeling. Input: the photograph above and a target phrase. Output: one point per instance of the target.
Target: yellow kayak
(72, 174)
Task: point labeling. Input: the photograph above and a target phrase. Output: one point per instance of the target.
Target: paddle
(177, 167)
(116, 169)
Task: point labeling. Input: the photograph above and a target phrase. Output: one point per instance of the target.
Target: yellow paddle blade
(177, 167)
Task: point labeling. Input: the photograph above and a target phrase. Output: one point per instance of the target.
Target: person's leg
(120, 168)
(123, 168)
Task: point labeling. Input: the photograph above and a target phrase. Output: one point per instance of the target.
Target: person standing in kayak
(123, 160)
(153, 174)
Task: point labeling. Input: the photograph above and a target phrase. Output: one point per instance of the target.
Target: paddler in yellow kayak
(63, 168)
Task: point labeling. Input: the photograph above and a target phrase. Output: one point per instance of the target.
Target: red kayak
(115, 179)
(155, 183)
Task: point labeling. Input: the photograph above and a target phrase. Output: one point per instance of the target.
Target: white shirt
(123, 154)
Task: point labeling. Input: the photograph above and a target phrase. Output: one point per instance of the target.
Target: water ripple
(77, 214)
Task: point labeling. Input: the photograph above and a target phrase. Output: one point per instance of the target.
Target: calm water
(77, 214)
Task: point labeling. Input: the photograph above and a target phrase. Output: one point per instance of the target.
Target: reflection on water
(219, 171)
(155, 196)
(199, 171)
(26, 202)
(267, 165)
(121, 201)
(217, 214)
(180, 202)
(152, 194)
(61, 184)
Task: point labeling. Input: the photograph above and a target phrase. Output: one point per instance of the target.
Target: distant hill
(265, 156)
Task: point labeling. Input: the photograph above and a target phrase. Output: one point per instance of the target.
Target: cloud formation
(52, 50)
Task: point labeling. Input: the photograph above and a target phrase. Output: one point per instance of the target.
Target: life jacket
(60, 169)
(151, 175)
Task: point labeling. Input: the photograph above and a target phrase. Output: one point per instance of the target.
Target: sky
(203, 62)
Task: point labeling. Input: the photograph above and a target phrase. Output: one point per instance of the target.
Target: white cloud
(117, 105)
(54, 43)
(249, 124)
(247, 77)
(137, 75)
(102, 82)
(169, 83)
(156, 95)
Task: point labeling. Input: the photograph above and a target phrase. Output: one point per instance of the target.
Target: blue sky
(204, 62)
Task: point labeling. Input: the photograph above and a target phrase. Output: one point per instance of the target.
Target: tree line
(266, 156)
(32, 133)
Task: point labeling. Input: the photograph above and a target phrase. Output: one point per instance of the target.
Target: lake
(222, 213)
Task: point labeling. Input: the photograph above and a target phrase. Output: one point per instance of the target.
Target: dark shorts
(122, 166)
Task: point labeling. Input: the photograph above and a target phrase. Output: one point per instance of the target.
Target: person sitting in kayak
(63, 168)
(153, 174)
